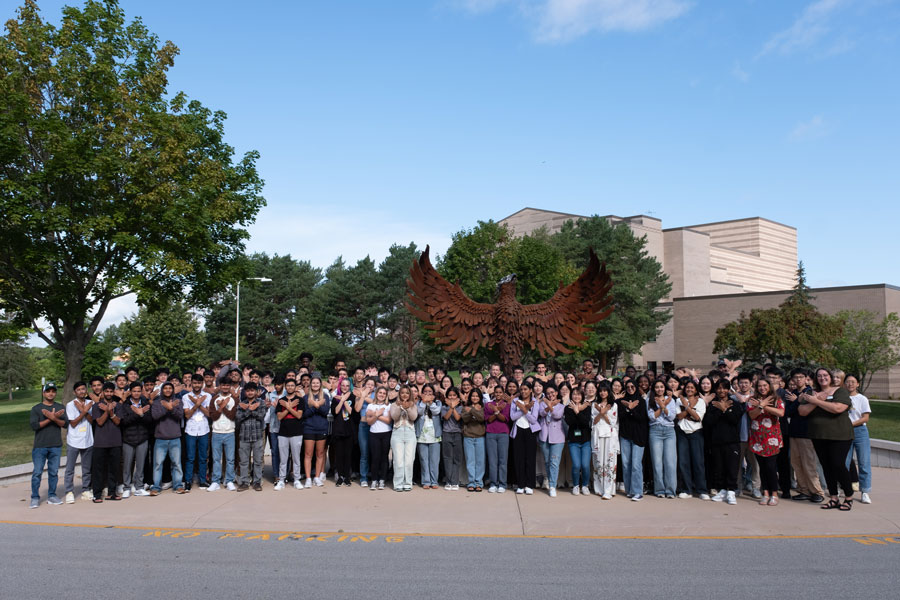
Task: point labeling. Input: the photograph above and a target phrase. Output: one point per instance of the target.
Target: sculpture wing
(565, 319)
(452, 318)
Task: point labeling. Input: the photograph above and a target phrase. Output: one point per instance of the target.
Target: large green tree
(793, 334)
(639, 284)
(269, 311)
(164, 336)
(868, 344)
(109, 184)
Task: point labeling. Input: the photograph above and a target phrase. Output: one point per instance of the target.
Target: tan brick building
(717, 270)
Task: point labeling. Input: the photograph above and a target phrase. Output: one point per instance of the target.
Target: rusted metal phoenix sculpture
(457, 322)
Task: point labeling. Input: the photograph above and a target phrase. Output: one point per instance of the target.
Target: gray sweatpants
(256, 448)
(294, 445)
(71, 457)
(133, 458)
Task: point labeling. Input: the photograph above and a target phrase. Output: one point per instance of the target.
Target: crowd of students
(708, 436)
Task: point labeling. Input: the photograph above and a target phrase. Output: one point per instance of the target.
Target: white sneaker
(298, 485)
(576, 491)
(455, 487)
(546, 484)
(553, 492)
(606, 497)
(520, 490)
(70, 498)
(684, 495)
(528, 491)
(143, 492)
(448, 487)
(86, 495)
(492, 489)
(307, 484)
(730, 498)
(126, 494)
(213, 487)
(621, 488)
(132, 490)
(704, 496)
(586, 490)
(279, 486)
(230, 486)
(320, 481)
(866, 499)
(363, 484)
(501, 489)
(381, 484)
(719, 497)
(120, 489)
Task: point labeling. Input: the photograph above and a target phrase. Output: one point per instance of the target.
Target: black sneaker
(243, 487)
(187, 486)
(800, 497)
(817, 499)
(203, 484)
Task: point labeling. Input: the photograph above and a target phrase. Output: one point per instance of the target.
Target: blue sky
(383, 122)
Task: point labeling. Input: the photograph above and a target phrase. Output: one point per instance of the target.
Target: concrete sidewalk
(358, 510)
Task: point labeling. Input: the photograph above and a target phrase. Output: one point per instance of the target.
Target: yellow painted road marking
(867, 538)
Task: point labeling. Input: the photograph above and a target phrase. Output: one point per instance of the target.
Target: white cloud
(565, 20)
(810, 27)
(739, 73)
(812, 129)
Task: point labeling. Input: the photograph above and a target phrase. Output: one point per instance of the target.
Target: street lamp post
(237, 317)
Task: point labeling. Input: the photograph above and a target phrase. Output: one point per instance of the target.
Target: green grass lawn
(16, 435)
(884, 422)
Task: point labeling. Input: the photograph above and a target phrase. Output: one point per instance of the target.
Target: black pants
(105, 470)
(725, 464)
(768, 473)
(379, 446)
(784, 461)
(525, 443)
(342, 448)
(833, 457)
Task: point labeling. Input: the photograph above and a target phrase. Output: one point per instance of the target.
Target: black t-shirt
(290, 426)
(345, 423)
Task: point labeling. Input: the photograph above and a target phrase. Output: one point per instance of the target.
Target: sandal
(114, 497)
(98, 500)
(831, 504)
(773, 501)
(477, 488)
(846, 505)
(470, 488)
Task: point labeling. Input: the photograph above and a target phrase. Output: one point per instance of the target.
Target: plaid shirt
(252, 423)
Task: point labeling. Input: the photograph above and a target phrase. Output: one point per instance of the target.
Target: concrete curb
(20, 473)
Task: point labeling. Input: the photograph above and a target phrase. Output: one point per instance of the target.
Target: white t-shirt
(82, 435)
(223, 424)
(686, 424)
(860, 406)
(378, 426)
(198, 424)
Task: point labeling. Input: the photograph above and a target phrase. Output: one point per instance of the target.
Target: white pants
(604, 454)
(295, 446)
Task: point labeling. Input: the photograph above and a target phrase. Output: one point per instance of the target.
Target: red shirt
(765, 432)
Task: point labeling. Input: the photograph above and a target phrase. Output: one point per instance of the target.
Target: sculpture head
(507, 285)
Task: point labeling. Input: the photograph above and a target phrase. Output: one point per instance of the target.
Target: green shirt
(824, 425)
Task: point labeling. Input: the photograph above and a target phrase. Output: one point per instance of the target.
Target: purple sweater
(532, 416)
(552, 424)
(501, 423)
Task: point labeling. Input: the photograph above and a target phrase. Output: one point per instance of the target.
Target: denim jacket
(434, 413)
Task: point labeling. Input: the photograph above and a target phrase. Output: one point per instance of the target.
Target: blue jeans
(863, 457)
(363, 438)
(197, 448)
(172, 448)
(497, 458)
(223, 442)
(691, 464)
(276, 453)
(474, 449)
(429, 462)
(552, 455)
(632, 467)
(665, 460)
(41, 457)
(580, 453)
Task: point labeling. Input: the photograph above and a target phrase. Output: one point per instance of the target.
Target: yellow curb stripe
(461, 535)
